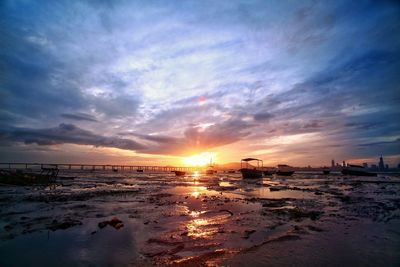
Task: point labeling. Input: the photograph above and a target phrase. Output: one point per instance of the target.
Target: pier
(93, 167)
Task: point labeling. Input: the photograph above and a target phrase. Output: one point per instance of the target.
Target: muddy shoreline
(129, 219)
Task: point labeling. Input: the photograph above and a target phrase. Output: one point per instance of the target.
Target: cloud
(392, 142)
(313, 124)
(263, 116)
(79, 117)
(195, 139)
(262, 69)
(70, 134)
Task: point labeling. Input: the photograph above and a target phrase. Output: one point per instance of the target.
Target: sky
(153, 82)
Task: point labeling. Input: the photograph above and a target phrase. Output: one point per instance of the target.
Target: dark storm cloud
(68, 134)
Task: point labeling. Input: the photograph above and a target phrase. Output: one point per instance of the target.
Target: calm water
(306, 220)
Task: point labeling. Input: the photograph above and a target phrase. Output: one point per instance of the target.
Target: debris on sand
(114, 222)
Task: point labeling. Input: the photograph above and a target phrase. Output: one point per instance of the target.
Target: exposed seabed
(131, 219)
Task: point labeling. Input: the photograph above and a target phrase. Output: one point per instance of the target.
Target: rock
(114, 222)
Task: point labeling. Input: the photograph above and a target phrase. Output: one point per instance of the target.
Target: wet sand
(131, 219)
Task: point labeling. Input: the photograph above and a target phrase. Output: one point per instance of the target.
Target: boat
(251, 173)
(270, 172)
(356, 170)
(284, 170)
(179, 173)
(231, 171)
(210, 171)
(139, 170)
(326, 170)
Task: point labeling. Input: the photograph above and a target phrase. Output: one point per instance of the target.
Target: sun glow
(200, 160)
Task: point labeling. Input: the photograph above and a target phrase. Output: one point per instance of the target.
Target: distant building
(374, 167)
(387, 166)
(398, 166)
(333, 163)
(365, 165)
(344, 163)
(381, 164)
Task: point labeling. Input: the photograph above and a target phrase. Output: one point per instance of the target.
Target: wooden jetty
(92, 167)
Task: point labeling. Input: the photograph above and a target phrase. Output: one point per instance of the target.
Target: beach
(104, 218)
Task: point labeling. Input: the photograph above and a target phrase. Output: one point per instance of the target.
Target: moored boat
(270, 172)
(284, 170)
(326, 171)
(356, 170)
(251, 173)
(210, 171)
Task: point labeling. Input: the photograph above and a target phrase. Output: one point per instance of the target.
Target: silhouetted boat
(231, 171)
(115, 170)
(251, 173)
(284, 170)
(357, 170)
(210, 172)
(269, 172)
(326, 171)
(139, 170)
(179, 173)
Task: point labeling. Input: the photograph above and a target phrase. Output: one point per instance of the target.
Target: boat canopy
(249, 159)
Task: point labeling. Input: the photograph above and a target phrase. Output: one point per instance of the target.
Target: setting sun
(201, 159)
